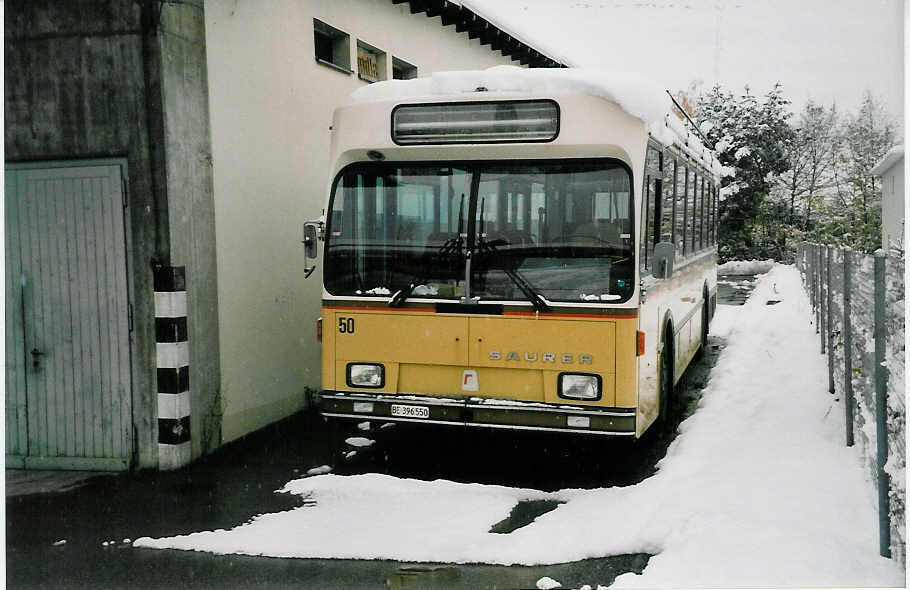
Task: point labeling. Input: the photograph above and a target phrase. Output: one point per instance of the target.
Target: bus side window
(714, 217)
(649, 213)
(690, 210)
(706, 215)
(699, 209)
(679, 231)
(666, 208)
(658, 199)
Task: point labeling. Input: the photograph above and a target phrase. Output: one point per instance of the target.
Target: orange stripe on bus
(575, 315)
(631, 315)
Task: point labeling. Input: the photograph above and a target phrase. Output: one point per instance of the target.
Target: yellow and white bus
(513, 249)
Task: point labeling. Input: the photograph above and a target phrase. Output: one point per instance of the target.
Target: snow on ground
(359, 441)
(745, 267)
(757, 490)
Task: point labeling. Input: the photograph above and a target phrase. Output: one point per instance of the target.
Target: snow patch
(359, 442)
(547, 583)
(603, 297)
(745, 267)
(742, 152)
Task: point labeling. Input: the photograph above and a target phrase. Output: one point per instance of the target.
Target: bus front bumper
(479, 412)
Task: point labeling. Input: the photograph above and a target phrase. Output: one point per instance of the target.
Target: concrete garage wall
(191, 213)
(127, 78)
(74, 88)
(271, 106)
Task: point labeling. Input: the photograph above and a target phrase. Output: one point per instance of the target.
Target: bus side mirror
(311, 233)
(662, 262)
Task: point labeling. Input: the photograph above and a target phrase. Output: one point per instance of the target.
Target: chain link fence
(858, 306)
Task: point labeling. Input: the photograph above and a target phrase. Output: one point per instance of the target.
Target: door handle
(35, 355)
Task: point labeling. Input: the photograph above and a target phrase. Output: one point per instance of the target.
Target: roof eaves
(889, 160)
(453, 12)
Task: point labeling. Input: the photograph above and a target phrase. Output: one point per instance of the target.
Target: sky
(824, 50)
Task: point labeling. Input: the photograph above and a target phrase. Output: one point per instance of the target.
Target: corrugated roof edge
(466, 17)
(548, 51)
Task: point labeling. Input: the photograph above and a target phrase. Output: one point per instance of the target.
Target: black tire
(666, 377)
(704, 329)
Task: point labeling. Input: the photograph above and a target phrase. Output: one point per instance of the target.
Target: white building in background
(891, 171)
(276, 71)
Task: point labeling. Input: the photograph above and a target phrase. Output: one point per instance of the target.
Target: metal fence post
(810, 277)
(828, 328)
(818, 288)
(881, 404)
(848, 345)
(814, 268)
(822, 319)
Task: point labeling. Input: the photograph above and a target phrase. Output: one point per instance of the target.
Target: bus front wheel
(666, 376)
(704, 329)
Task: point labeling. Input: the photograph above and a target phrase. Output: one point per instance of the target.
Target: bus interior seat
(511, 236)
(600, 232)
(437, 239)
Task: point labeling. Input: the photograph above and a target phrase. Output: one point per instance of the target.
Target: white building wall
(893, 204)
(271, 106)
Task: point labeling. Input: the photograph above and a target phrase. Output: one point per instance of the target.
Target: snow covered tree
(854, 213)
(798, 195)
(811, 153)
(751, 137)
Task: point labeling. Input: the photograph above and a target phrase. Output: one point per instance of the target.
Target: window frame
(381, 58)
(475, 168)
(335, 35)
(400, 64)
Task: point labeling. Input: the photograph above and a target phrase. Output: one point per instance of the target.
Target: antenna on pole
(688, 118)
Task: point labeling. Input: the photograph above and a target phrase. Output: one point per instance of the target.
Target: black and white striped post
(172, 351)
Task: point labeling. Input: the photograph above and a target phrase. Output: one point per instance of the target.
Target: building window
(402, 70)
(371, 63)
(333, 47)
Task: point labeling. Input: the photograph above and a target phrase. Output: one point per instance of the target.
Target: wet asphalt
(98, 520)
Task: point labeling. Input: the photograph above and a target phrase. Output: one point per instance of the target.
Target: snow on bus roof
(638, 96)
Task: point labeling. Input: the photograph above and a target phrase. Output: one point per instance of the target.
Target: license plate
(410, 411)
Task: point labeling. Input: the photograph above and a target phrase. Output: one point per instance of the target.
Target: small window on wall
(333, 47)
(402, 70)
(371, 63)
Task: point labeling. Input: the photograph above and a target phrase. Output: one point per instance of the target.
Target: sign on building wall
(366, 64)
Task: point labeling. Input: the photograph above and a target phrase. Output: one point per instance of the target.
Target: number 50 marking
(345, 325)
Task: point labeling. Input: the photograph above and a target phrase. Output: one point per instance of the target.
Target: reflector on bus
(476, 122)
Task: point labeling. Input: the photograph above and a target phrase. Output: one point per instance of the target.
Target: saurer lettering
(545, 357)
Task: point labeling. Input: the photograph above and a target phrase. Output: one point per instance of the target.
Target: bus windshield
(560, 230)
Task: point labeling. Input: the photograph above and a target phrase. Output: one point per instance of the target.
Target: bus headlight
(582, 386)
(366, 375)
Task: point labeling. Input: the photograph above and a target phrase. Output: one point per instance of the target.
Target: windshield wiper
(449, 247)
(489, 248)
